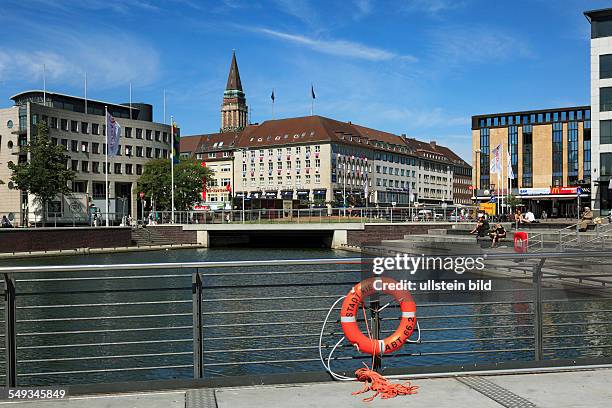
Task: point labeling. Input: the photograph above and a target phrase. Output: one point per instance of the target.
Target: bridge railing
(250, 320)
(313, 215)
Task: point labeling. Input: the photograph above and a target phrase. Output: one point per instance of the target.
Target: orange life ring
(356, 297)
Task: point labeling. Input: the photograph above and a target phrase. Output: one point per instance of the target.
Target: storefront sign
(564, 190)
(534, 191)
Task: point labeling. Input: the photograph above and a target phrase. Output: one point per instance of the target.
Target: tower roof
(233, 79)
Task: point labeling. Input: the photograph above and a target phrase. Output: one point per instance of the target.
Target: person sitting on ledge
(585, 220)
(497, 234)
(481, 227)
(6, 223)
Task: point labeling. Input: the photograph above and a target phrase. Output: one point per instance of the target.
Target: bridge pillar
(203, 238)
(339, 239)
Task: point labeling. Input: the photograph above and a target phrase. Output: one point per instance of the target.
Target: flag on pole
(495, 165)
(176, 142)
(312, 92)
(272, 96)
(510, 171)
(113, 131)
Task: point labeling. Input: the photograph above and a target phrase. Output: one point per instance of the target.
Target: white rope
(327, 366)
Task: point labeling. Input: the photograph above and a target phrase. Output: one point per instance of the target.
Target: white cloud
(457, 45)
(431, 6)
(300, 9)
(362, 8)
(341, 48)
(107, 61)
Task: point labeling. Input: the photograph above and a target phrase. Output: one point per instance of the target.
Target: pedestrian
(6, 223)
(586, 219)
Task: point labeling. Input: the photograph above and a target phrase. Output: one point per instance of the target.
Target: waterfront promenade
(570, 389)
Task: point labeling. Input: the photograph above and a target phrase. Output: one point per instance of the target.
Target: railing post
(538, 328)
(375, 305)
(198, 360)
(10, 331)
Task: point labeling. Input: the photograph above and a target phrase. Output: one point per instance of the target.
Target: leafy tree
(45, 174)
(513, 201)
(155, 182)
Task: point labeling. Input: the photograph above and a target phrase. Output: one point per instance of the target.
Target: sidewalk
(576, 389)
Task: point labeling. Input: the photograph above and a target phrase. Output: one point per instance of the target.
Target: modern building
(601, 104)
(549, 153)
(79, 126)
(319, 161)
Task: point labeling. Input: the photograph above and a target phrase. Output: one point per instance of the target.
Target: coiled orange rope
(379, 384)
(376, 382)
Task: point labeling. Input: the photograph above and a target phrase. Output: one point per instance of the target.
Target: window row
(100, 148)
(95, 167)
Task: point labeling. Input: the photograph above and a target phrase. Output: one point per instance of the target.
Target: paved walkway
(577, 389)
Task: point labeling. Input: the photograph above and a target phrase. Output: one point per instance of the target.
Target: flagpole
(106, 160)
(172, 167)
(273, 96)
(165, 107)
(44, 85)
(502, 182)
(130, 101)
(86, 93)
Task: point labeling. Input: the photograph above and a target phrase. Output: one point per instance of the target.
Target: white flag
(510, 172)
(113, 130)
(495, 166)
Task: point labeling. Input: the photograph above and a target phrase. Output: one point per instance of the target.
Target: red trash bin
(521, 240)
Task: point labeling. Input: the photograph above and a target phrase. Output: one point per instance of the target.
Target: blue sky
(420, 67)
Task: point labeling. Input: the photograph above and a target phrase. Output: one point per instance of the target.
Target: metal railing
(99, 323)
(312, 215)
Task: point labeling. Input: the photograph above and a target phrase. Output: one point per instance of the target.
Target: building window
(74, 145)
(128, 168)
(53, 124)
(117, 168)
(84, 127)
(484, 158)
(95, 167)
(605, 132)
(149, 134)
(557, 154)
(74, 126)
(527, 157)
(138, 151)
(586, 157)
(605, 66)
(572, 153)
(149, 152)
(128, 132)
(602, 28)
(63, 124)
(513, 151)
(605, 164)
(99, 192)
(75, 165)
(605, 99)
(139, 169)
(85, 166)
(138, 133)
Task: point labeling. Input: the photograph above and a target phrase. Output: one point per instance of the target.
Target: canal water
(111, 326)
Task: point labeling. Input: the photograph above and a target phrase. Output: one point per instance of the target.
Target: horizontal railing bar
(563, 336)
(575, 324)
(161, 302)
(579, 347)
(248, 264)
(261, 273)
(137, 329)
(119, 343)
(106, 291)
(48, 360)
(424, 293)
(104, 278)
(363, 357)
(591, 299)
(60, 319)
(104, 370)
(179, 265)
(576, 311)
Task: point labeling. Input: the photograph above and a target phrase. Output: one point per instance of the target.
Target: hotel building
(601, 103)
(79, 126)
(320, 161)
(549, 153)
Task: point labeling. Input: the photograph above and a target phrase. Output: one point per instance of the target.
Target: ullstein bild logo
(412, 264)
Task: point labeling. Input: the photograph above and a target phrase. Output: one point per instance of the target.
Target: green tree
(45, 174)
(155, 182)
(513, 201)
